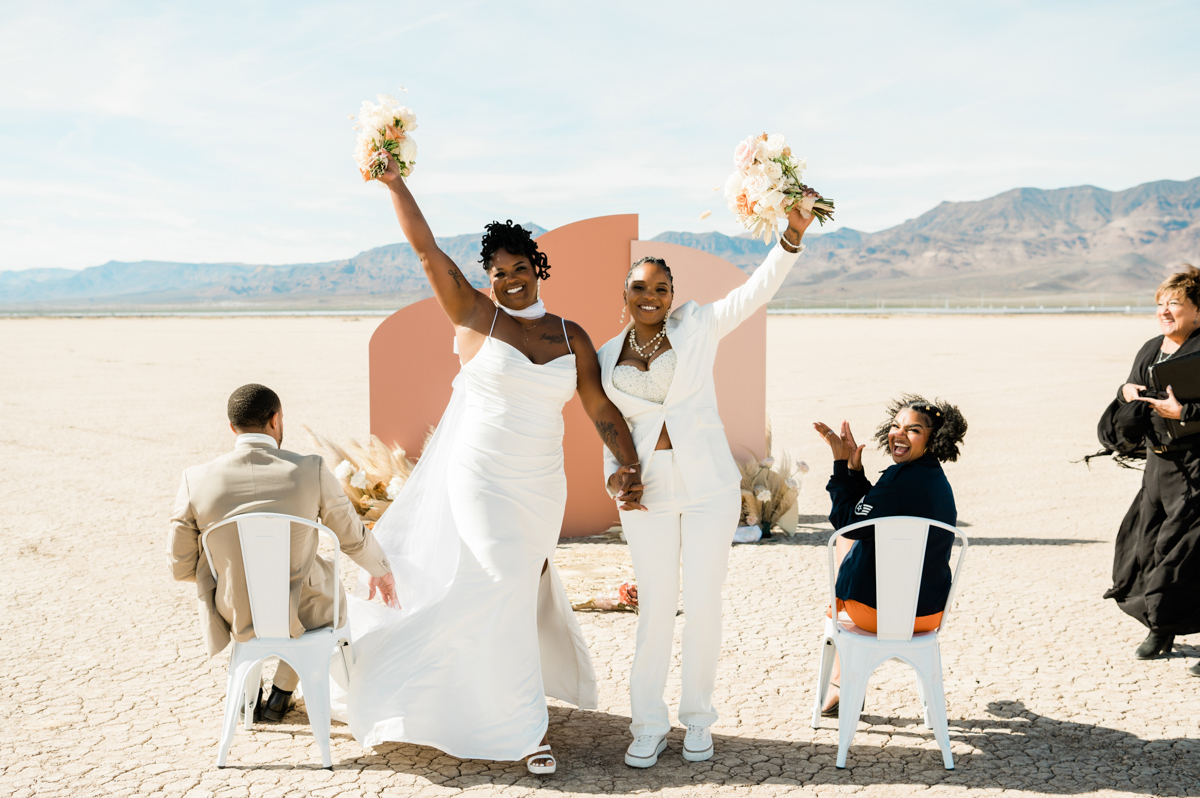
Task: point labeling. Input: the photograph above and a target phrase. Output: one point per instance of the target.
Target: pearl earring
(623, 314)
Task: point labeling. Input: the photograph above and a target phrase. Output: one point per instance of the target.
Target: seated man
(258, 476)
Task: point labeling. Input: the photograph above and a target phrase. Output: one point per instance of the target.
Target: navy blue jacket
(918, 488)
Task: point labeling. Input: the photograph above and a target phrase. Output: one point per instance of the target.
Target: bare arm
(457, 297)
(610, 424)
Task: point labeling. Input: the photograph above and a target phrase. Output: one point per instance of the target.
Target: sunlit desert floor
(107, 690)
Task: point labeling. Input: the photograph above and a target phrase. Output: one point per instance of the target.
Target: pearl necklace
(651, 345)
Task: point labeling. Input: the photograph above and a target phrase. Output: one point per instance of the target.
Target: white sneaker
(698, 744)
(643, 752)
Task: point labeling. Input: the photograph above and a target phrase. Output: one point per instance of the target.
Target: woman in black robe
(1156, 567)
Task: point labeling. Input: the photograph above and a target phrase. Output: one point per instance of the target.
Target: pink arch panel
(412, 362)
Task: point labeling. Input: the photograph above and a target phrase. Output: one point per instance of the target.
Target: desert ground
(107, 689)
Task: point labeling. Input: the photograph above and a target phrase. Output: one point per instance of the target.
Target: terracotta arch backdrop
(412, 362)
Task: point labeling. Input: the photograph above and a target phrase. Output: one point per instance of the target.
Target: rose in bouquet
(766, 184)
(385, 130)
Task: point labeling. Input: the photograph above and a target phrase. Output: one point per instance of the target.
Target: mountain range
(1026, 244)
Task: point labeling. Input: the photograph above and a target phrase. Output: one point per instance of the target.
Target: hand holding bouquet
(765, 186)
(385, 130)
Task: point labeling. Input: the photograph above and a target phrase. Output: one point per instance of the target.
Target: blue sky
(219, 131)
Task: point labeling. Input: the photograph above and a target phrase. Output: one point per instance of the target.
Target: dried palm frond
(770, 488)
(371, 474)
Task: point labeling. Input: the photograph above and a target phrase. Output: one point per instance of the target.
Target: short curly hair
(1184, 283)
(251, 406)
(945, 420)
(516, 240)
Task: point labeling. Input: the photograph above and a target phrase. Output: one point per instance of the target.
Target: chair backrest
(266, 543)
(899, 559)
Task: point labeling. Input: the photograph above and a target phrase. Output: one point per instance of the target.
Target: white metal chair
(899, 556)
(265, 540)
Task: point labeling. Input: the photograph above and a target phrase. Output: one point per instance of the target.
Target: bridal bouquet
(385, 129)
(765, 185)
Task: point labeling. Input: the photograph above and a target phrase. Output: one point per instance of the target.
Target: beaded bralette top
(651, 385)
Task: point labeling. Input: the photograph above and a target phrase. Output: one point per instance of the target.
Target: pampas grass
(370, 473)
(769, 488)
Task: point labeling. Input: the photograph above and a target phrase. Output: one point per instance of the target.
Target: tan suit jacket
(257, 477)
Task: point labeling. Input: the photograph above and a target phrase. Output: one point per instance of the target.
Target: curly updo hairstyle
(1184, 283)
(516, 240)
(946, 422)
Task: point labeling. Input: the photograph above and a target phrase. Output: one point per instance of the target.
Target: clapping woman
(919, 435)
(658, 372)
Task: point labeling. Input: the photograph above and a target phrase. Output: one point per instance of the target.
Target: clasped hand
(1167, 408)
(843, 446)
(626, 483)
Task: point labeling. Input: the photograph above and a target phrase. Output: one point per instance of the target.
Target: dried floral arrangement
(769, 489)
(371, 474)
(622, 598)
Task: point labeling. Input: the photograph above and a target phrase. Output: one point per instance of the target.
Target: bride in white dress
(485, 631)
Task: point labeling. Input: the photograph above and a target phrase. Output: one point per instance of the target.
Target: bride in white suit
(659, 374)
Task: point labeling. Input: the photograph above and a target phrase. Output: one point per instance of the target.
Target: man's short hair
(252, 406)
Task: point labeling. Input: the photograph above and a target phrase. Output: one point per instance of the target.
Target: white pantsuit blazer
(690, 409)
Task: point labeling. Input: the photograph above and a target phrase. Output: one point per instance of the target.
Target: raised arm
(458, 298)
(742, 301)
(610, 424)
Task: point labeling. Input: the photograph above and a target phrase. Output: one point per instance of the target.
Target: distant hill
(1025, 245)
(1026, 242)
(386, 276)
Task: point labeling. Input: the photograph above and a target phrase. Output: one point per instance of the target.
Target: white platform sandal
(542, 753)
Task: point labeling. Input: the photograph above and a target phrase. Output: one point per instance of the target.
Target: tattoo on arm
(608, 434)
(457, 278)
(554, 338)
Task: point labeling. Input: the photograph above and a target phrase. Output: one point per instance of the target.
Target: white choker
(534, 311)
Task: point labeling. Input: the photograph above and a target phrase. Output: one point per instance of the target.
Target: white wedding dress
(483, 635)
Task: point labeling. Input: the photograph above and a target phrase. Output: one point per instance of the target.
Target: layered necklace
(651, 346)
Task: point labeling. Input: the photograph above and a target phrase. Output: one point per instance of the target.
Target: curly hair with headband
(946, 423)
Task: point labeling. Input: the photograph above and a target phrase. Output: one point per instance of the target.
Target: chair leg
(253, 681)
(937, 708)
(314, 679)
(924, 699)
(828, 651)
(235, 687)
(853, 691)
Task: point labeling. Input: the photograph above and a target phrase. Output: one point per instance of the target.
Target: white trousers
(697, 532)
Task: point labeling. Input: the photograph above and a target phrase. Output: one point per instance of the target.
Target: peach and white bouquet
(766, 184)
(385, 129)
